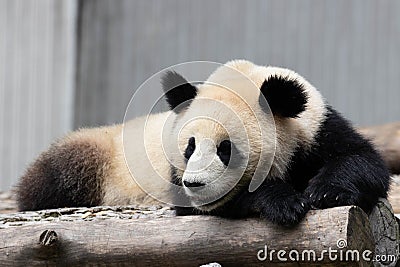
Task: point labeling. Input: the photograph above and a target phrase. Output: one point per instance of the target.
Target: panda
(249, 141)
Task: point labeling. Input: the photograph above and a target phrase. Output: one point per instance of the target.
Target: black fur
(67, 175)
(351, 172)
(285, 96)
(178, 91)
(342, 168)
(190, 148)
(224, 151)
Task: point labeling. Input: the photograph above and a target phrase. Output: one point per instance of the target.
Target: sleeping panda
(249, 141)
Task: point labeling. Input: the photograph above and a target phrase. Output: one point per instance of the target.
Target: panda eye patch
(190, 147)
(224, 151)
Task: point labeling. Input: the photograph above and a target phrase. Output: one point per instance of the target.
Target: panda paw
(287, 212)
(328, 196)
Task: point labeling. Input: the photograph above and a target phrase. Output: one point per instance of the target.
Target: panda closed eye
(224, 151)
(190, 148)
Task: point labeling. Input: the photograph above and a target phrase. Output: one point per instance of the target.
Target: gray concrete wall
(36, 79)
(350, 50)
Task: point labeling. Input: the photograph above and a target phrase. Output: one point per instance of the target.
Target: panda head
(242, 118)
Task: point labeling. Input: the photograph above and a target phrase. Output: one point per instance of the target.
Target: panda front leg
(352, 180)
(277, 201)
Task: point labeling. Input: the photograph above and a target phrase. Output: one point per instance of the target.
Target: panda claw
(337, 197)
(325, 195)
(302, 204)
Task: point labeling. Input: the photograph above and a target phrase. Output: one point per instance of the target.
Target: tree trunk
(196, 240)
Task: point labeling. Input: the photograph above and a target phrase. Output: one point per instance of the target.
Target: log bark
(189, 240)
(385, 231)
(387, 140)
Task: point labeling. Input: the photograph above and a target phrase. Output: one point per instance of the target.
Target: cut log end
(385, 231)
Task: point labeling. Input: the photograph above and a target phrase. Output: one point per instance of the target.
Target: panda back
(70, 173)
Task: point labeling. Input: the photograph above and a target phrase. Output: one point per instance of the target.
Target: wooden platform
(136, 236)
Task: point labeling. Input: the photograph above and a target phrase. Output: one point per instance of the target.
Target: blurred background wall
(72, 63)
(37, 70)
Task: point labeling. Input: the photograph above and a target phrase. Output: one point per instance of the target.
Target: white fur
(141, 172)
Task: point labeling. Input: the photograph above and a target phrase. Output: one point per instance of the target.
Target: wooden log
(192, 240)
(387, 140)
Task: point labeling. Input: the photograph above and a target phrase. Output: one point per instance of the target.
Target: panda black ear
(178, 91)
(285, 96)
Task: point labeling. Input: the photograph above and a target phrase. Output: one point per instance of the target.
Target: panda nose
(191, 185)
